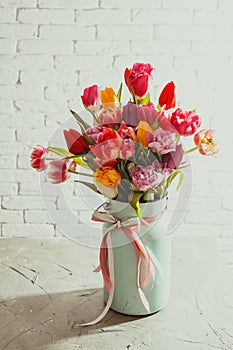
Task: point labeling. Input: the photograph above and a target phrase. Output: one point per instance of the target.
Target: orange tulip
(106, 180)
(142, 134)
(205, 142)
(108, 176)
(108, 98)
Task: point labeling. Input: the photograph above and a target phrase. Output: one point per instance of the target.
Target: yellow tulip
(142, 133)
(108, 98)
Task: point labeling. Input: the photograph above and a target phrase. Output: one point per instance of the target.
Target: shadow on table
(35, 320)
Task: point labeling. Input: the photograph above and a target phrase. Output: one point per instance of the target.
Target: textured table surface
(48, 287)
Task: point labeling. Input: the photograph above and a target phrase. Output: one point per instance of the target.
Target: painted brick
(7, 162)
(103, 17)
(45, 47)
(8, 189)
(73, 32)
(224, 33)
(101, 47)
(131, 4)
(6, 106)
(225, 5)
(150, 47)
(28, 230)
(26, 202)
(19, 3)
(41, 216)
(17, 176)
(80, 4)
(21, 119)
(12, 216)
(27, 62)
(161, 16)
(7, 14)
(7, 46)
(8, 76)
(127, 32)
(39, 16)
(48, 78)
(214, 17)
(34, 136)
(82, 62)
(19, 92)
(17, 30)
(183, 32)
(207, 4)
(7, 134)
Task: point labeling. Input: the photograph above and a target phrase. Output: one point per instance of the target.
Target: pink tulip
(146, 178)
(110, 117)
(59, 170)
(127, 149)
(137, 78)
(162, 141)
(133, 114)
(185, 122)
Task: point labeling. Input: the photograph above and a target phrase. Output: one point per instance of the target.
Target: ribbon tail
(112, 279)
(143, 299)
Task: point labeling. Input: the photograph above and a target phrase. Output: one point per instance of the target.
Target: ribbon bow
(107, 259)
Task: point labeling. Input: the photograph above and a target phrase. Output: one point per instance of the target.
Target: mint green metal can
(154, 236)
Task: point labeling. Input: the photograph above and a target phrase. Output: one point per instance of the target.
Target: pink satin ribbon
(107, 259)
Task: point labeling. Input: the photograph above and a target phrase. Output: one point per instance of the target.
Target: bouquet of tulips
(132, 152)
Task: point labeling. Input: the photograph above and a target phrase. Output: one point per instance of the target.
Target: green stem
(177, 139)
(51, 158)
(95, 117)
(78, 173)
(159, 156)
(191, 150)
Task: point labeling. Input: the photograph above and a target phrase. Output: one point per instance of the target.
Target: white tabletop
(48, 287)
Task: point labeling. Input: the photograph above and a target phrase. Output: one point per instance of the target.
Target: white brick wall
(51, 49)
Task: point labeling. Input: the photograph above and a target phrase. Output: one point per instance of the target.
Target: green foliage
(144, 100)
(89, 185)
(80, 121)
(134, 202)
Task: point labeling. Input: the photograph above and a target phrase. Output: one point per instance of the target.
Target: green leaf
(134, 96)
(86, 137)
(180, 181)
(158, 107)
(89, 185)
(80, 120)
(59, 151)
(135, 202)
(145, 100)
(119, 93)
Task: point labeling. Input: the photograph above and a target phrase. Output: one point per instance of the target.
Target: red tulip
(137, 78)
(75, 141)
(91, 97)
(185, 122)
(38, 160)
(59, 170)
(167, 97)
